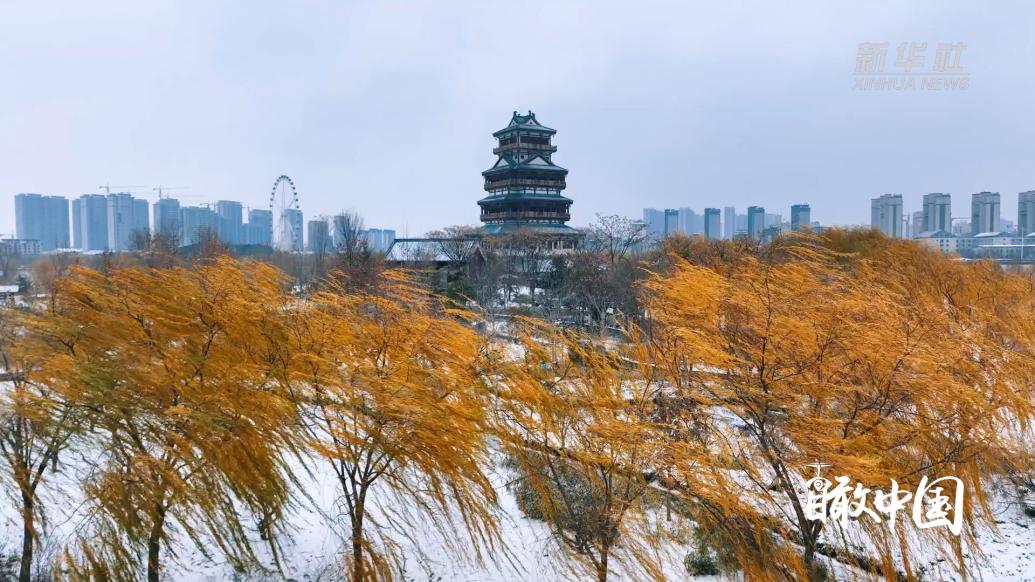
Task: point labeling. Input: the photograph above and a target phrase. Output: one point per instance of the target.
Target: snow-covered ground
(530, 553)
(318, 534)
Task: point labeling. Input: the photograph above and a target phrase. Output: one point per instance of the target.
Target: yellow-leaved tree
(188, 425)
(393, 400)
(36, 425)
(582, 426)
(896, 366)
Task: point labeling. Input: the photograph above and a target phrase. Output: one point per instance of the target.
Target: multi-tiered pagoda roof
(524, 185)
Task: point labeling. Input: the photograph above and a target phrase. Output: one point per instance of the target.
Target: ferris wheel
(287, 215)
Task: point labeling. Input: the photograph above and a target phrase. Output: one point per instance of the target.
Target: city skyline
(115, 220)
(94, 218)
(243, 96)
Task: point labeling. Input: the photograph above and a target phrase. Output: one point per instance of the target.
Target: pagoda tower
(524, 185)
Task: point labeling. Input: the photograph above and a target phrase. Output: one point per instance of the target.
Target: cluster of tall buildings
(756, 223)
(121, 221)
(105, 222)
(224, 219)
(981, 233)
(112, 222)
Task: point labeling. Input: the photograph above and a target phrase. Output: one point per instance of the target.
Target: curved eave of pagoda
(541, 228)
(524, 168)
(524, 127)
(511, 198)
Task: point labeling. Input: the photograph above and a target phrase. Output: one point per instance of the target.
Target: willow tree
(177, 371)
(580, 422)
(395, 405)
(36, 424)
(898, 366)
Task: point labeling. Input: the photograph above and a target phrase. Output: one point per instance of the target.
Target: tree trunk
(154, 546)
(358, 571)
(810, 553)
(28, 538)
(602, 565)
(810, 539)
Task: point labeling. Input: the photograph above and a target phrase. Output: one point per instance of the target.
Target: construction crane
(160, 189)
(107, 187)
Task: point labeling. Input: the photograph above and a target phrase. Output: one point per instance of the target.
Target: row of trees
(187, 404)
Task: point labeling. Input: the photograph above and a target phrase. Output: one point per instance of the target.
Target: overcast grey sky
(387, 107)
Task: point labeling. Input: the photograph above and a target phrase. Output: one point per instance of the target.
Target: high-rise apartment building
(1026, 213)
(916, 224)
(230, 222)
(379, 239)
(77, 231)
(801, 216)
(755, 221)
(729, 222)
(167, 217)
(90, 222)
(42, 218)
(712, 228)
(318, 233)
(671, 221)
(127, 219)
(937, 213)
(655, 221)
(196, 223)
(984, 213)
(259, 228)
(690, 222)
(667, 222)
(886, 214)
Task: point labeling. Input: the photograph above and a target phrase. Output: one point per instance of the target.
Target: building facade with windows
(90, 222)
(755, 222)
(167, 217)
(886, 215)
(259, 230)
(984, 213)
(44, 219)
(19, 247)
(197, 222)
(937, 213)
(712, 223)
(318, 235)
(801, 216)
(1026, 212)
(127, 219)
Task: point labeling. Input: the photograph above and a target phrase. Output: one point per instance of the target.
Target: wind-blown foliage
(395, 404)
(175, 369)
(36, 424)
(580, 423)
(193, 395)
(897, 366)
